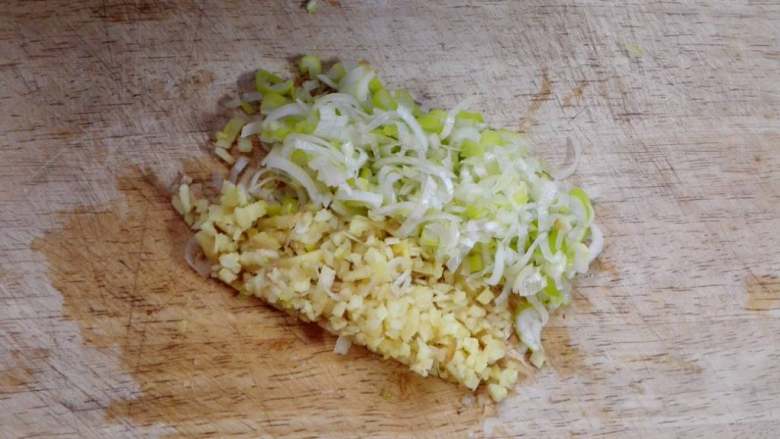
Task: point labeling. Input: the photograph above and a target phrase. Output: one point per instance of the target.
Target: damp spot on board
(675, 363)
(207, 362)
(407, 383)
(666, 363)
(763, 293)
(14, 378)
(563, 354)
(312, 332)
(544, 94)
(575, 95)
(19, 368)
(134, 11)
(194, 83)
(580, 304)
(603, 265)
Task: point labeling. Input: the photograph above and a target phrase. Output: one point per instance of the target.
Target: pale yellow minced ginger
(357, 281)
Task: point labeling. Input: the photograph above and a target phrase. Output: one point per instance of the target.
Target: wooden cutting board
(104, 332)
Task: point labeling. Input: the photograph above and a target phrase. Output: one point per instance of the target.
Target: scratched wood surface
(104, 332)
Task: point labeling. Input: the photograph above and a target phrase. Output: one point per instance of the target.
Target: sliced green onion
(224, 155)
(469, 116)
(273, 209)
(310, 65)
(245, 144)
(521, 194)
(375, 85)
(490, 138)
(289, 205)
(552, 295)
(276, 132)
(336, 72)
(528, 326)
(248, 108)
(475, 212)
(300, 157)
(476, 263)
(511, 136)
(433, 121)
(382, 99)
(267, 82)
(580, 194)
(390, 131)
(470, 148)
(552, 239)
(272, 101)
(429, 238)
(227, 136)
(403, 97)
(307, 125)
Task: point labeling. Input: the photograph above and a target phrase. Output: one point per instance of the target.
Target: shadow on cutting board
(208, 362)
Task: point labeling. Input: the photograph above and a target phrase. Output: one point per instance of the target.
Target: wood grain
(104, 332)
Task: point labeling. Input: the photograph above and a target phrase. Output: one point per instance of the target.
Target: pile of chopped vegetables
(424, 235)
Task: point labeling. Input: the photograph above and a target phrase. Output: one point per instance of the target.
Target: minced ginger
(356, 280)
